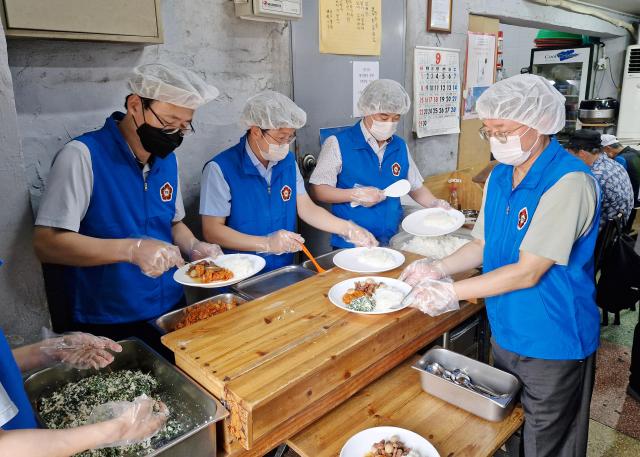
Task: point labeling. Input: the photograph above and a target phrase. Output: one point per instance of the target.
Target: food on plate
(204, 310)
(387, 297)
(206, 271)
(437, 247)
(440, 219)
(392, 447)
(376, 258)
(240, 266)
(72, 404)
(370, 295)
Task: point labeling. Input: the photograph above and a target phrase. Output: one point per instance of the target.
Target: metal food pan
(199, 410)
(167, 322)
(499, 381)
(324, 260)
(264, 284)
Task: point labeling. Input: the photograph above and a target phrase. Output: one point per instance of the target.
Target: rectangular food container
(480, 373)
(324, 260)
(167, 322)
(184, 397)
(264, 284)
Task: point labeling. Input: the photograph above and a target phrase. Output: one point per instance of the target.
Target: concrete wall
(439, 154)
(517, 45)
(22, 309)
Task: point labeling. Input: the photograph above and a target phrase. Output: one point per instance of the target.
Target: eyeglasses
(485, 134)
(281, 141)
(169, 130)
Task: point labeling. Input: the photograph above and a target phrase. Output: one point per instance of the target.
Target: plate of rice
(368, 260)
(433, 222)
(224, 270)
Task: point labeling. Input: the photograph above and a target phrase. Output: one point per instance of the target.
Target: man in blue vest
(357, 164)
(253, 192)
(112, 209)
(534, 238)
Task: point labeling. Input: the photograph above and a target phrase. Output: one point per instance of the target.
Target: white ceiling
(626, 6)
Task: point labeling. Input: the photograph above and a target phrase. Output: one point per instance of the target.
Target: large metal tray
(167, 322)
(324, 260)
(497, 380)
(184, 397)
(264, 284)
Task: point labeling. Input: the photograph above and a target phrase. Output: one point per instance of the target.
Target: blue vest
(558, 318)
(257, 208)
(122, 206)
(360, 165)
(11, 380)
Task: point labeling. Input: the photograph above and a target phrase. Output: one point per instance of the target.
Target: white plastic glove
(359, 236)
(439, 203)
(281, 242)
(422, 269)
(154, 257)
(79, 350)
(201, 250)
(433, 297)
(366, 196)
(135, 421)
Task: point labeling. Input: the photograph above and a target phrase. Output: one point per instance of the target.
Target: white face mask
(276, 153)
(382, 131)
(511, 153)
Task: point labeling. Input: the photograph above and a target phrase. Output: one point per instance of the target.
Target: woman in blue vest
(112, 210)
(356, 165)
(19, 433)
(534, 238)
(253, 192)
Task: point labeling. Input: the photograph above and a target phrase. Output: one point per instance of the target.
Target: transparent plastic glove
(366, 196)
(281, 242)
(201, 250)
(136, 420)
(359, 236)
(79, 350)
(422, 269)
(439, 203)
(154, 257)
(433, 297)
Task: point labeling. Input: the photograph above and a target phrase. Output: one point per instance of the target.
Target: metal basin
(198, 410)
(324, 260)
(262, 285)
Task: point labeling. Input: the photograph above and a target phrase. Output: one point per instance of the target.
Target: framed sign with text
(439, 13)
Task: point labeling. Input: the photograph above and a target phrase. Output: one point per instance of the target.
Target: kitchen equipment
(497, 381)
(354, 260)
(598, 110)
(325, 260)
(339, 290)
(461, 378)
(306, 251)
(418, 223)
(257, 263)
(395, 190)
(167, 322)
(266, 283)
(184, 397)
(360, 443)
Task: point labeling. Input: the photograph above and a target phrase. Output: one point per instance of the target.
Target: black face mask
(156, 142)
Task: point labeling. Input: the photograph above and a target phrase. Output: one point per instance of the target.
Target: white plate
(349, 259)
(257, 264)
(417, 223)
(337, 292)
(360, 443)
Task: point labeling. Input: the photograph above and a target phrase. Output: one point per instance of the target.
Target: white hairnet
(384, 96)
(528, 99)
(608, 140)
(272, 110)
(172, 84)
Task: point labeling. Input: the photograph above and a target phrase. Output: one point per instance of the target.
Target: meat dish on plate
(369, 295)
(206, 271)
(392, 447)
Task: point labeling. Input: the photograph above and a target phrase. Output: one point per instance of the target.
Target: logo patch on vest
(523, 217)
(166, 192)
(395, 169)
(285, 193)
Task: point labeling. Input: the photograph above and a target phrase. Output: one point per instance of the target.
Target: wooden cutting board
(284, 360)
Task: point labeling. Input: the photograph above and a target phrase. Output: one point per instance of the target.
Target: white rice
(437, 246)
(386, 297)
(376, 258)
(240, 266)
(440, 220)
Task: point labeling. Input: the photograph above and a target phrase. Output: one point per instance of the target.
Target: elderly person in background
(628, 157)
(534, 238)
(253, 193)
(617, 193)
(357, 164)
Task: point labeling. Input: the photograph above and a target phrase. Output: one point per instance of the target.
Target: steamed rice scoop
(376, 258)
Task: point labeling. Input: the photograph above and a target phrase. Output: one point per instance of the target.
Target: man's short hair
(146, 102)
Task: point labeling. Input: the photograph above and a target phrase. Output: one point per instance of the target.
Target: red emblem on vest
(166, 192)
(285, 193)
(523, 217)
(395, 169)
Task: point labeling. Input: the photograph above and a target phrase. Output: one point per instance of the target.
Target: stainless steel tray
(264, 284)
(497, 380)
(184, 397)
(324, 260)
(167, 322)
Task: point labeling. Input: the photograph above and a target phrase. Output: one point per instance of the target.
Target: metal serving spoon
(459, 377)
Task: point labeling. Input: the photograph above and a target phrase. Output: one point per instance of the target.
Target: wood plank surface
(284, 360)
(397, 399)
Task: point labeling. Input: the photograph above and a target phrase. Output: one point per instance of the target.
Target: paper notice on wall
(363, 74)
(350, 27)
(480, 70)
(436, 91)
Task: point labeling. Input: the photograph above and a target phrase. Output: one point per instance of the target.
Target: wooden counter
(283, 361)
(397, 400)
